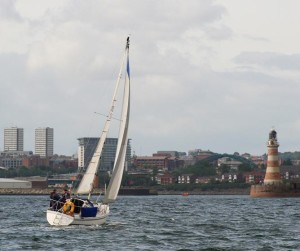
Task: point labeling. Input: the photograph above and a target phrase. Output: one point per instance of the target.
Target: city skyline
(204, 74)
(44, 144)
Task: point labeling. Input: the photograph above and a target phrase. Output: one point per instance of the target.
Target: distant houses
(165, 163)
(161, 168)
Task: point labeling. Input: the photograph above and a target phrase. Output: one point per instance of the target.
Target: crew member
(54, 198)
(66, 194)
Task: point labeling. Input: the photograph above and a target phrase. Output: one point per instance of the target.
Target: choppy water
(158, 223)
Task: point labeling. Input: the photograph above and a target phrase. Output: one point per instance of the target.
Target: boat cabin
(85, 207)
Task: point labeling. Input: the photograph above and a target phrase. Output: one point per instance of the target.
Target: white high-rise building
(13, 139)
(44, 141)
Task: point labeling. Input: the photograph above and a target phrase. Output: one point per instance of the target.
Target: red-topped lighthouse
(273, 175)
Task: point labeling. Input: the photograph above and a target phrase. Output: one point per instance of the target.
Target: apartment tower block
(44, 141)
(13, 139)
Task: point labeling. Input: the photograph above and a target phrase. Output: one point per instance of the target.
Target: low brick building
(164, 179)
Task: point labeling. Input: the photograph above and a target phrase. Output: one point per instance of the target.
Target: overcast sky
(214, 75)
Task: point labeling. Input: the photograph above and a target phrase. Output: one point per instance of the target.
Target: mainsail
(86, 184)
(116, 178)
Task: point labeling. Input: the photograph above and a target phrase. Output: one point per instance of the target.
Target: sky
(211, 75)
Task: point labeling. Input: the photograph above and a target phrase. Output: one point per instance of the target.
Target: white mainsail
(86, 184)
(116, 178)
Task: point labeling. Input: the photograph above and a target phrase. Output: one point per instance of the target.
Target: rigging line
(107, 116)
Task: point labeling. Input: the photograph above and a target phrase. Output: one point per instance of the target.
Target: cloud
(290, 62)
(8, 11)
(60, 62)
(219, 33)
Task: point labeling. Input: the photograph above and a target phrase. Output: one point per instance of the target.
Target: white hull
(57, 218)
(89, 221)
(99, 219)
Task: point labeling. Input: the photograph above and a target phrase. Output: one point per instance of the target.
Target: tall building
(44, 141)
(13, 139)
(87, 147)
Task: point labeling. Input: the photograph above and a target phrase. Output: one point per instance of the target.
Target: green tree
(224, 168)
(154, 173)
(287, 162)
(103, 178)
(199, 169)
(244, 168)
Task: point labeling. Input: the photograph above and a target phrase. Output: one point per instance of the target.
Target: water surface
(167, 222)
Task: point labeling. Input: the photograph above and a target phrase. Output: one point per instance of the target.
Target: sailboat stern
(56, 218)
(88, 216)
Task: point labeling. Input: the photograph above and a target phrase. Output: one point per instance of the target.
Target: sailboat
(82, 211)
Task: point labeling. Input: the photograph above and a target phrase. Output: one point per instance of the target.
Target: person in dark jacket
(54, 198)
(67, 194)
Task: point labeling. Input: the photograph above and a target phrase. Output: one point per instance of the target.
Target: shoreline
(236, 191)
(47, 191)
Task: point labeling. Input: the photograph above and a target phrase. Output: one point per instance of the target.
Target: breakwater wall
(47, 191)
(31, 191)
(275, 190)
(234, 191)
